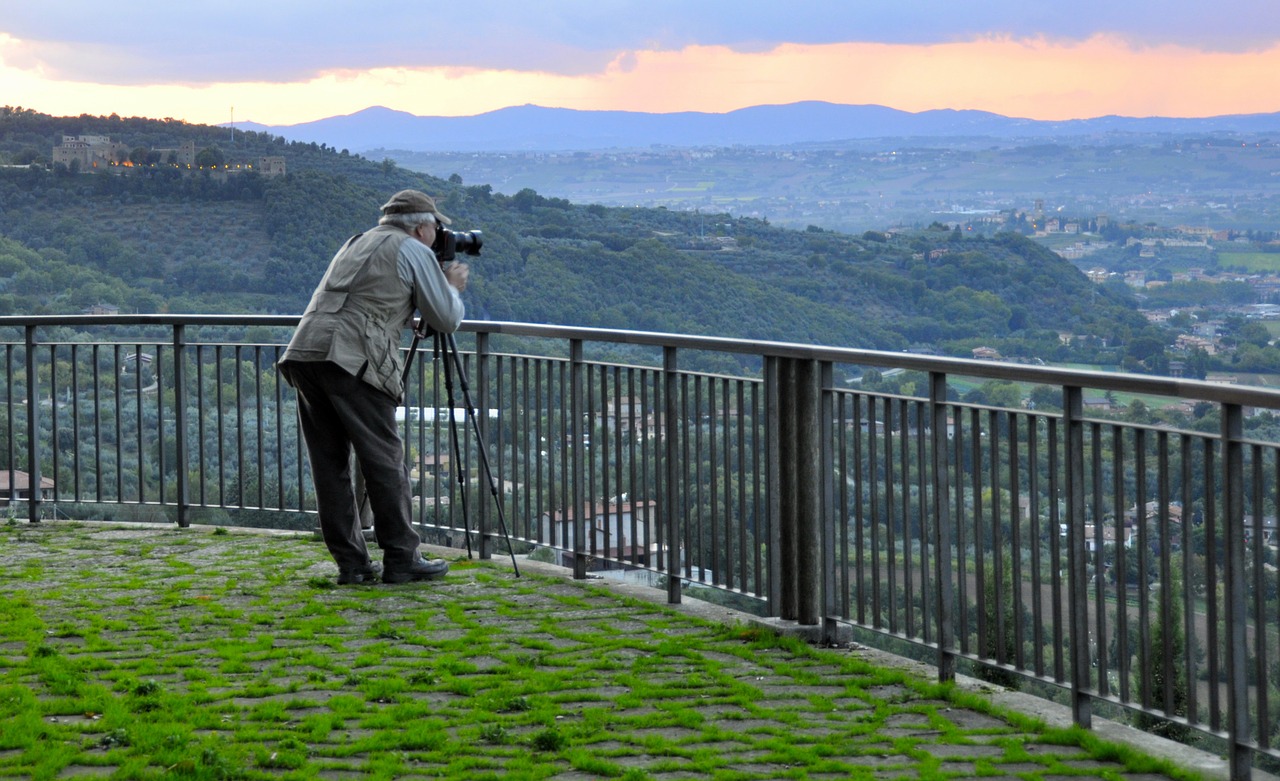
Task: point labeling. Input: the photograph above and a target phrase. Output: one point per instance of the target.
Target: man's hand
(457, 275)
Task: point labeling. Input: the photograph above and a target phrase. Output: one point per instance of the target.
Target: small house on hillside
(15, 486)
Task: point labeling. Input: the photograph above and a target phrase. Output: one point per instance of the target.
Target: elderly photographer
(344, 361)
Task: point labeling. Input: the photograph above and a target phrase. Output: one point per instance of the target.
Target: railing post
(481, 410)
(1077, 574)
(671, 435)
(34, 494)
(800, 490)
(808, 492)
(180, 420)
(581, 507)
(1236, 606)
(942, 527)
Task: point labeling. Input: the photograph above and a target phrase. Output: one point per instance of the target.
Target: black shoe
(367, 574)
(420, 569)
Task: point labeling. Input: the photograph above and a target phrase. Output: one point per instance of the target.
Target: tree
(1046, 397)
(1255, 333)
(210, 157)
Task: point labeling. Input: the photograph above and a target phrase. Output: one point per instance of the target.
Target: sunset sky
(281, 62)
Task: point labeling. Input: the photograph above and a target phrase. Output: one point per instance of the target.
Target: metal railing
(1128, 565)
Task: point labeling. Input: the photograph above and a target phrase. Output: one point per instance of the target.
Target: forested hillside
(152, 238)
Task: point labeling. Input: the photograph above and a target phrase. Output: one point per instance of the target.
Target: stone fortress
(90, 153)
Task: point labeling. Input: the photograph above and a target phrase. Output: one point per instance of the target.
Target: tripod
(446, 345)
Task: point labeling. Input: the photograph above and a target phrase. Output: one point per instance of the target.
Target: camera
(449, 243)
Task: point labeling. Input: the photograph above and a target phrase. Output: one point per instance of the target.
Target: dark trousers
(340, 413)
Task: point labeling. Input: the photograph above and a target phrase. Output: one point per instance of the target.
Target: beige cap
(413, 202)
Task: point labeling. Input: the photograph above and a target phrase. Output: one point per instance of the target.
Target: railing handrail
(777, 484)
(1185, 389)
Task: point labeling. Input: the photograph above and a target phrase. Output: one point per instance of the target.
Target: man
(344, 361)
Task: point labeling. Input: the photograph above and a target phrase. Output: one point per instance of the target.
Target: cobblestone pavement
(161, 652)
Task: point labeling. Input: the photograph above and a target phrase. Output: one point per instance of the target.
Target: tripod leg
(484, 453)
(457, 450)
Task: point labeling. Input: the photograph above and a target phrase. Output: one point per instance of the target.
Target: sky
(283, 62)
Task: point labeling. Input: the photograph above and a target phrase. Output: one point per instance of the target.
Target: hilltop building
(87, 153)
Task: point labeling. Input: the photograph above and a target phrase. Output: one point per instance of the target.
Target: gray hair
(407, 221)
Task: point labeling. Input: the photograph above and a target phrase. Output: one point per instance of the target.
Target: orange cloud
(1038, 79)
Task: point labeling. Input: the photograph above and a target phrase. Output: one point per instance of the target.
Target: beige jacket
(368, 296)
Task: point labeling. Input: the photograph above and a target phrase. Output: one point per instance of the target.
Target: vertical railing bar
(1145, 660)
(633, 433)
(240, 433)
(1212, 584)
(222, 429)
(97, 423)
(75, 425)
(1099, 590)
(841, 514)
(54, 428)
(740, 575)
(689, 515)
(619, 485)
(942, 523)
(859, 510)
(257, 424)
(525, 452)
(200, 424)
(1123, 663)
(1037, 569)
(962, 540)
(598, 536)
(890, 511)
(481, 432)
(1234, 581)
(279, 400)
(873, 479)
(1258, 601)
(568, 472)
(979, 536)
(997, 538)
(671, 435)
(1192, 640)
(904, 462)
(34, 480)
(11, 427)
(1167, 627)
(118, 405)
(600, 422)
(829, 528)
(696, 555)
(1073, 414)
(181, 456)
(1015, 538)
(542, 475)
(1055, 548)
(772, 507)
(723, 574)
(924, 497)
(759, 494)
(137, 396)
(161, 464)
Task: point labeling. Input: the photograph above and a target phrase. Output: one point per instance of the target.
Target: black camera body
(449, 243)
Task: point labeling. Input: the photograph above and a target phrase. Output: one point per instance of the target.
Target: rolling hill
(153, 238)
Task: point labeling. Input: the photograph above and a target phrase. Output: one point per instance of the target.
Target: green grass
(1250, 261)
(235, 657)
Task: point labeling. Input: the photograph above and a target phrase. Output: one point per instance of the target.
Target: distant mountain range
(534, 128)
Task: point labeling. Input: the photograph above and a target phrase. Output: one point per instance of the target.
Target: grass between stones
(155, 653)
